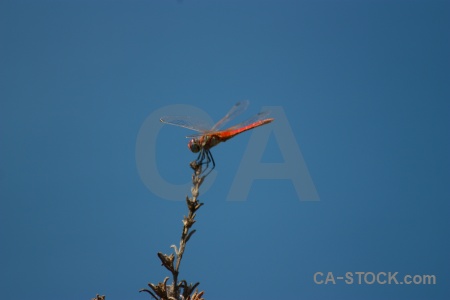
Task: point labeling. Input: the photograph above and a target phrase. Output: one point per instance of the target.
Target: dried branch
(180, 290)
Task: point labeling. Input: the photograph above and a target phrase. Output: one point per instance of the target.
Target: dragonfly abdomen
(229, 133)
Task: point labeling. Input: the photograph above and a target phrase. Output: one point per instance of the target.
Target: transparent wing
(258, 117)
(187, 122)
(236, 110)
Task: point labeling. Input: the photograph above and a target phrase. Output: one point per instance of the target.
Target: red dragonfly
(209, 137)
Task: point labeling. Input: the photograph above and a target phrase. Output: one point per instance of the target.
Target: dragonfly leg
(209, 158)
(204, 158)
(212, 160)
(200, 158)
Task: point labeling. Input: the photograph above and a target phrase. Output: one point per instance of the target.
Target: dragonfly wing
(196, 135)
(258, 117)
(236, 110)
(187, 122)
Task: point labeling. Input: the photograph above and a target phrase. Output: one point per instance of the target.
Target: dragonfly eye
(193, 146)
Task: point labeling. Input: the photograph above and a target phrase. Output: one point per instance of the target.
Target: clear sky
(362, 88)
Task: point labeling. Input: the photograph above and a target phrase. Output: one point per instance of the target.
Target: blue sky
(364, 87)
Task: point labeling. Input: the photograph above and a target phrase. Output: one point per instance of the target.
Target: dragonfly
(208, 137)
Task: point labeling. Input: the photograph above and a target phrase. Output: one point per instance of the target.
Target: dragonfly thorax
(204, 142)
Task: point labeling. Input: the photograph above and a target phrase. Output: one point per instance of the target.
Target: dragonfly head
(194, 145)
